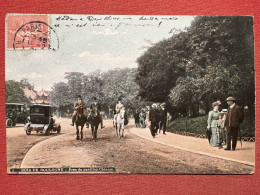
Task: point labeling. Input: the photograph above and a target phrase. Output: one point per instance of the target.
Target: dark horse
(81, 119)
(94, 122)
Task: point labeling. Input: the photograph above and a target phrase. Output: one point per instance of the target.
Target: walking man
(163, 118)
(136, 117)
(154, 118)
(235, 116)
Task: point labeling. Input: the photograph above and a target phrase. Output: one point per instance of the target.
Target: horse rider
(96, 105)
(163, 113)
(119, 105)
(77, 105)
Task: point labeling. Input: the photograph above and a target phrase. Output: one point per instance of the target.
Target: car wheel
(9, 122)
(58, 129)
(47, 132)
(28, 131)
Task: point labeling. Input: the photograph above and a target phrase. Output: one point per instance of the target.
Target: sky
(88, 43)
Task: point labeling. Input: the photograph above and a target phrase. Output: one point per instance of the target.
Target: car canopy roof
(18, 104)
(40, 105)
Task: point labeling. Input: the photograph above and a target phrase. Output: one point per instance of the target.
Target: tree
(14, 92)
(209, 61)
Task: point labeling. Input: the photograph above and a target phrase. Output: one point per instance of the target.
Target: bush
(198, 125)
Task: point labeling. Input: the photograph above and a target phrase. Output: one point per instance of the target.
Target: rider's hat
(154, 105)
(230, 99)
(94, 98)
(163, 104)
(120, 99)
(79, 96)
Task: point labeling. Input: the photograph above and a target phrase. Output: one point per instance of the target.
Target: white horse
(119, 122)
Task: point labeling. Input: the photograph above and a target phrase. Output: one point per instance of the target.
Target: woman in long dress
(213, 124)
(147, 122)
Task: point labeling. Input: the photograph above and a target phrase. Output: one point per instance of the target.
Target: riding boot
(77, 138)
(81, 134)
(73, 120)
(101, 123)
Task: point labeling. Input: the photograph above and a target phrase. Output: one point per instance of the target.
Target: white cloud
(106, 32)
(106, 60)
(32, 75)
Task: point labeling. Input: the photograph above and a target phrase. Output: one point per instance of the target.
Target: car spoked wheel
(47, 132)
(28, 130)
(9, 123)
(58, 129)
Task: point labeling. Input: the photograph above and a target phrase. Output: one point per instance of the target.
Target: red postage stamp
(26, 32)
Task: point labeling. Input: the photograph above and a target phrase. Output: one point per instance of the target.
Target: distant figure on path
(142, 119)
(220, 129)
(163, 114)
(235, 117)
(154, 118)
(136, 117)
(147, 122)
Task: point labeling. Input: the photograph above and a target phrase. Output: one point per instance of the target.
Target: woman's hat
(217, 103)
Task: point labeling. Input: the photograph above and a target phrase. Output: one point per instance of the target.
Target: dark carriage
(16, 113)
(41, 120)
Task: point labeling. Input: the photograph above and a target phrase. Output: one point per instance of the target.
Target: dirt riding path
(131, 154)
(18, 143)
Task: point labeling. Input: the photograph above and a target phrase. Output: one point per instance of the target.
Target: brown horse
(94, 122)
(81, 119)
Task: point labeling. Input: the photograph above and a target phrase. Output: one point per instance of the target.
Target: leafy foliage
(107, 87)
(209, 61)
(14, 92)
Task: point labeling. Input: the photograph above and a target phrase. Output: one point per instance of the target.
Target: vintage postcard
(129, 94)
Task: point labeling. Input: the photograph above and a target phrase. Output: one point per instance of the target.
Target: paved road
(132, 154)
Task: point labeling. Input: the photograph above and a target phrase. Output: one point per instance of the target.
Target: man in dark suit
(235, 116)
(95, 104)
(154, 118)
(136, 117)
(163, 114)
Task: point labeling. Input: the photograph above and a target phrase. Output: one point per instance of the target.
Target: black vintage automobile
(41, 120)
(16, 113)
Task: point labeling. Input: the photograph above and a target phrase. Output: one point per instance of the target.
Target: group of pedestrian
(223, 127)
(154, 118)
